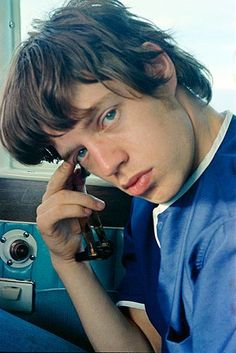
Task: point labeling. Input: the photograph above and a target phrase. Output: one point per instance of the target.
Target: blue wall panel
(52, 307)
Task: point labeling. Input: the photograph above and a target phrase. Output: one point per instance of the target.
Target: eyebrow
(85, 113)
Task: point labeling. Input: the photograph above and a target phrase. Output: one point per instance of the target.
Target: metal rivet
(9, 262)
(11, 24)
(26, 234)
(32, 257)
(3, 240)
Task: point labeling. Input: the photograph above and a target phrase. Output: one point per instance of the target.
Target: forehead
(87, 96)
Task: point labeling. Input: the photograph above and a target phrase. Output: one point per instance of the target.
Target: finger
(59, 179)
(58, 213)
(64, 197)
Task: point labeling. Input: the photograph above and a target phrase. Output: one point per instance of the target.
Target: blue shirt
(185, 274)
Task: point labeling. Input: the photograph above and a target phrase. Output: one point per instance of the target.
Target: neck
(206, 122)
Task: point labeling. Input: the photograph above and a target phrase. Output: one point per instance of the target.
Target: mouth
(139, 183)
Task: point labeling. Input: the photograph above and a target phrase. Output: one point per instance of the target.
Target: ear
(161, 65)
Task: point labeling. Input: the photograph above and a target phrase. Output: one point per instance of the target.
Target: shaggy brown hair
(85, 41)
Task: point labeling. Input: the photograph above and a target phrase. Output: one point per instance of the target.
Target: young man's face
(142, 145)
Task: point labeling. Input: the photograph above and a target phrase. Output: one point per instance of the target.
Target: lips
(139, 183)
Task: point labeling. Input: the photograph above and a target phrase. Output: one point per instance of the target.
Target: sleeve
(130, 290)
(214, 301)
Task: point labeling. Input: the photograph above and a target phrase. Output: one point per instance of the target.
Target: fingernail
(100, 204)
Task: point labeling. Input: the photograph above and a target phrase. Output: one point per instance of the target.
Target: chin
(152, 196)
(157, 196)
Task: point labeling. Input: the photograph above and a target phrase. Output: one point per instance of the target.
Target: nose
(106, 158)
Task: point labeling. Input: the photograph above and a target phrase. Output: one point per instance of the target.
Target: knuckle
(44, 198)
(39, 222)
(38, 210)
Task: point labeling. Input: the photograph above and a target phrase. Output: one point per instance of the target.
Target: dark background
(19, 200)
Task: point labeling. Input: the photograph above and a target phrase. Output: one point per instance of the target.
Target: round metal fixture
(18, 248)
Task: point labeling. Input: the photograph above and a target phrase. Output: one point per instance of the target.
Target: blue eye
(81, 153)
(110, 116)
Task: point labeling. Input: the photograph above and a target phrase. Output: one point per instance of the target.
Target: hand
(63, 211)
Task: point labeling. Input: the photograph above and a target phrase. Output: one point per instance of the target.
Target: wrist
(59, 263)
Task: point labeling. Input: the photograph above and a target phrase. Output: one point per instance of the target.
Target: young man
(113, 93)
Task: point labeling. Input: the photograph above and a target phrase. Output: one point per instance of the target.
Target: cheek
(174, 149)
